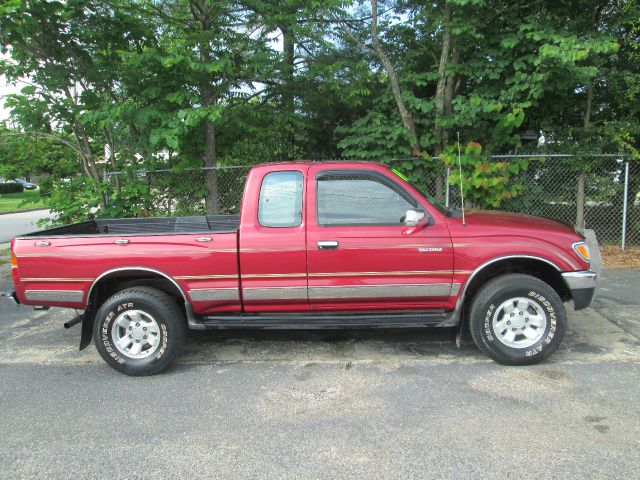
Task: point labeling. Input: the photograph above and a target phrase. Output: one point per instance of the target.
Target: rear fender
(93, 306)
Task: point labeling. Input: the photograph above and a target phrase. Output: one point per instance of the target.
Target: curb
(24, 211)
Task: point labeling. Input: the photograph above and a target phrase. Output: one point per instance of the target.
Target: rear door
(361, 255)
(273, 257)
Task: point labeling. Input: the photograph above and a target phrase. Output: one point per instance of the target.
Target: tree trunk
(200, 13)
(288, 105)
(89, 162)
(442, 79)
(580, 198)
(442, 94)
(407, 118)
(451, 86)
(209, 158)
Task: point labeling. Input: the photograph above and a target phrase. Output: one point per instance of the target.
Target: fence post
(446, 196)
(624, 205)
(580, 203)
(106, 179)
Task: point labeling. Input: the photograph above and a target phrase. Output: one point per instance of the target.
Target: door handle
(328, 245)
(204, 239)
(42, 243)
(121, 241)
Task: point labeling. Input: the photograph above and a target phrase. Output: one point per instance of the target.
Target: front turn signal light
(14, 260)
(582, 249)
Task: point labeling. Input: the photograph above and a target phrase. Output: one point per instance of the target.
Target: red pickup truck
(316, 245)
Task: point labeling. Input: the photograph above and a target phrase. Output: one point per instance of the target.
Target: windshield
(436, 203)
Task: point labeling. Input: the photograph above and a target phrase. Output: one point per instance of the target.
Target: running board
(438, 318)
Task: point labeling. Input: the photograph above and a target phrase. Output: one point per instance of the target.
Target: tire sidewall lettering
(487, 327)
(106, 324)
(165, 341)
(552, 320)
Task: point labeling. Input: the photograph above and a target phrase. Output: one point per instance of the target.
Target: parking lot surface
(350, 404)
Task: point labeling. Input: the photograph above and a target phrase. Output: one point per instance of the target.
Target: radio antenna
(464, 222)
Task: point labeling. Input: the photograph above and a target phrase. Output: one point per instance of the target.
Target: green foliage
(9, 6)
(173, 85)
(24, 155)
(75, 199)
(485, 183)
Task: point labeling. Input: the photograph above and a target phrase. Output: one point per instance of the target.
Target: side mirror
(413, 218)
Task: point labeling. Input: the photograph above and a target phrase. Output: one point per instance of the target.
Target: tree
(178, 84)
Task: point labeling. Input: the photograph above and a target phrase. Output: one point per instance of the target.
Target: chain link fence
(599, 192)
(590, 196)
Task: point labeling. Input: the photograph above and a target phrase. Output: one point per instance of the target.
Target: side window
(360, 199)
(280, 203)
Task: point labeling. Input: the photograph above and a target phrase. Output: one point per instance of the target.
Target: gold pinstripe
(124, 252)
(203, 277)
(57, 279)
(276, 275)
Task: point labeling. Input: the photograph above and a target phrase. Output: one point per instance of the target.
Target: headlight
(582, 249)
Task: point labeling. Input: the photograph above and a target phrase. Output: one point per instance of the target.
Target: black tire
(148, 305)
(496, 304)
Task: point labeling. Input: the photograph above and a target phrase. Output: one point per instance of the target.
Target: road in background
(14, 224)
(348, 404)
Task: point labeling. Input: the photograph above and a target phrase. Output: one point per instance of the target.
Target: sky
(6, 90)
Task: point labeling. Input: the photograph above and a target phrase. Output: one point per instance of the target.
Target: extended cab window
(280, 203)
(360, 199)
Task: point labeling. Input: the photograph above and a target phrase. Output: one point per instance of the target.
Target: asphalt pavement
(14, 224)
(351, 404)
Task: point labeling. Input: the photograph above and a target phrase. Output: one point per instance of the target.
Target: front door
(360, 254)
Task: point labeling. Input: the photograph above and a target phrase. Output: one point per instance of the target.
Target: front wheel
(139, 331)
(517, 319)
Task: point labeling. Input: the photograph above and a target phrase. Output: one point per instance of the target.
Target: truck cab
(336, 238)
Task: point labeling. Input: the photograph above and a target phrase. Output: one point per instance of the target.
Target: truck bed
(146, 226)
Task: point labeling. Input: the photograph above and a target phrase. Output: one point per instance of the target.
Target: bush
(11, 188)
(46, 185)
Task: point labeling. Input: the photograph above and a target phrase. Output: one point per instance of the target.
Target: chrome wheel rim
(519, 322)
(135, 334)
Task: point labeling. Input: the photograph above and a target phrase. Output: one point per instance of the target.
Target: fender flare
(90, 311)
(458, 311)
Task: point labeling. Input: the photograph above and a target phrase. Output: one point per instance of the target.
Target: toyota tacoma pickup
(316, 245)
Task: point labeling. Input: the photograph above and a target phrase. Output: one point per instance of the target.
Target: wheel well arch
(118, 279)
(537, 267)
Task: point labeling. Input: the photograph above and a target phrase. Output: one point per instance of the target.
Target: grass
(613, 256)
(15, 202)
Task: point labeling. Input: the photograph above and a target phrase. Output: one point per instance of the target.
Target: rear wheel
(139, 331)
(517, 319)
